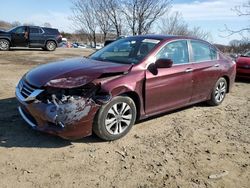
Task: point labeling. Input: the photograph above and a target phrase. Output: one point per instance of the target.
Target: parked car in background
(130, 79)
(78, 45)
(82, 46)
(112, 40)
(243, 65)
(233, 56)
(30, 36)
(98, 46)
(108, 41)
(64, 45)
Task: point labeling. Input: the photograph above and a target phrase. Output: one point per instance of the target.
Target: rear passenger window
(34, 30)
(51, 31)
(203, 52)
(176, 51)
(213, 53)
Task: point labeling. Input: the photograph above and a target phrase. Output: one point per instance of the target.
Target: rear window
(51, 31)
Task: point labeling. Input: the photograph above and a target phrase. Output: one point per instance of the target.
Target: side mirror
(163, 63)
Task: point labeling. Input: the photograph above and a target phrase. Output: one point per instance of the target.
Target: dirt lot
(178, 149)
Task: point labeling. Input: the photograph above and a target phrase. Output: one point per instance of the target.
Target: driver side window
(176, 51)
(20, 30)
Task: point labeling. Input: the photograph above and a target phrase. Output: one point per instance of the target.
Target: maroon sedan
(130, 79)
(243, 65)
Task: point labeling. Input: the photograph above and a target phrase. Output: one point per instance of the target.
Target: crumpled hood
(72, 73)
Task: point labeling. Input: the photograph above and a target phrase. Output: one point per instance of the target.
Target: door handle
(188, 70)
(216, 65)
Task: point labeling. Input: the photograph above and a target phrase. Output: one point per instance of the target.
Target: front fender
(133, 82)
(7, 38)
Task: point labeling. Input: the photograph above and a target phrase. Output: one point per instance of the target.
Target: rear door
(171, 87)
(206, 69)
(36, 38)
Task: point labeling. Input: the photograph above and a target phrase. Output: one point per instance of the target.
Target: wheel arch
(135, 97)
(129, 92)
(50, 39)
(228, 82)
(6, 38)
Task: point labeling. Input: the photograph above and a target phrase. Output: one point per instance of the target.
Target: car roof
(165, 37)
(36, 26)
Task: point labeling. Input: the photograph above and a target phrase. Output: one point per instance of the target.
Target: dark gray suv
(30, 36)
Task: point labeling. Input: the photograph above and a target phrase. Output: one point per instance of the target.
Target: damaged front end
(66, 112)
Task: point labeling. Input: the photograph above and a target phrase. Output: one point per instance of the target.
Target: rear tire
(50, 45)
(115, 119)
(4, 45)
(219, 92)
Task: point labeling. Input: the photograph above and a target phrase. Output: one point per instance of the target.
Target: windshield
(247, 54)
(126, 51)
(12, 29)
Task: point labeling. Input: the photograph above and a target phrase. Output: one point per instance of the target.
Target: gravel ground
(197, 146)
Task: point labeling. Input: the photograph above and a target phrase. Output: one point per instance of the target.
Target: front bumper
(70, 121)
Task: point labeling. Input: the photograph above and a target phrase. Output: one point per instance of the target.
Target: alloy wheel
(118, 118)
(220, 91)
(51, 45)
(4, 45)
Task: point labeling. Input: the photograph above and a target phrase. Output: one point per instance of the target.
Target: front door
(20, 36)
(171, 87)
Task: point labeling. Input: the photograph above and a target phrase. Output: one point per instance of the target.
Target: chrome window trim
(42, 30)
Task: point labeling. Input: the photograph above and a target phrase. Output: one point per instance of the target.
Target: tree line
(7, 25)
(120, 17)
(129, 17)
(135, 17)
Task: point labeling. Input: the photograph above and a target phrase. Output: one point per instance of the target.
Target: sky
(210, 15)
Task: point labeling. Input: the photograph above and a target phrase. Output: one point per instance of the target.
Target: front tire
(115, 119)
(4, 45)
(219, 92)
(50, 46)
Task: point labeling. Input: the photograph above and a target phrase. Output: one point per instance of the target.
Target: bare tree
(113, 9)
(47, 24)
(102, 18)
(199, 33)
(141, 14)
(84, 18)
(174, 24)
(5, 25)
(239, 46)
(242, 10)
(16, 23)
(28, 24)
